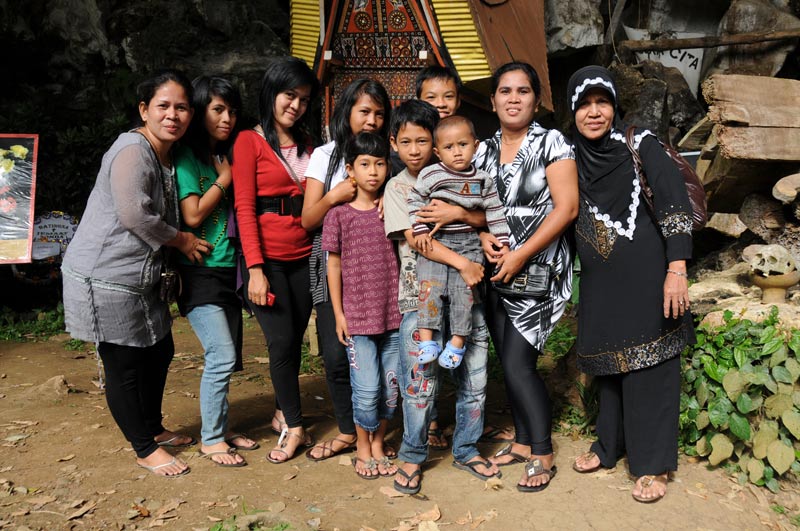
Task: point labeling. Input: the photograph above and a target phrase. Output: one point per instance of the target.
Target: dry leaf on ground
(65, 458)
(83, 510)
(390, 492)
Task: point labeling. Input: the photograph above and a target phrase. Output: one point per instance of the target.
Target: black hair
(197, 137)
(416, 112)
(525, 68)
(366, 143)
(284, 74)
(340, 122)
(147, 88)
(452, 121)
(437, 72)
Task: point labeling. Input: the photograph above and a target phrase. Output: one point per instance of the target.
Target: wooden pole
(708, 42)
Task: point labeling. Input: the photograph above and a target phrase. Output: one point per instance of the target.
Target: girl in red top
(269, 163)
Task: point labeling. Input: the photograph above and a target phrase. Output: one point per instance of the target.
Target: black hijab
(605, 167)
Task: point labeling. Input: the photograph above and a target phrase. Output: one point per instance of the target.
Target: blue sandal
(452, 356)
(428, 351)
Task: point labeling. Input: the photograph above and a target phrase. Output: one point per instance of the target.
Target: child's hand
(223, 167)
(503, 251)
(344, 192)
(490, 245)
(471, 272)
(439, 213)
(341, 329)
(423, 243)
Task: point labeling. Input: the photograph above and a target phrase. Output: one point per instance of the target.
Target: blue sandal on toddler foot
(451, 356)
(428, 351)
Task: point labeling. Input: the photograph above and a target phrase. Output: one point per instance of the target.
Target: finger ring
(680, 302)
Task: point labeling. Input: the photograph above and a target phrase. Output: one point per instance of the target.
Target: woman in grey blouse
(112, 269)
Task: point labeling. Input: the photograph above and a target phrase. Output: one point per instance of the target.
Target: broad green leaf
(782, 374)
(721, 449)
(796, 398)
(757, 378)
(755, 470)
(793, 367)
(791, 419)
(739, 426)
(718, 411)
(767, 333)
(727, 315)
(771, 384)
(780, 456)
(713, 371)
(702, 393)
(744, 403)
(702, 420)
(733, 383)
(785, 389)
(740, 356)
(772, 346)
(775, 405)
(767, 432)
(779, 356)
(690, 375)
(794, 342)
(773, 485)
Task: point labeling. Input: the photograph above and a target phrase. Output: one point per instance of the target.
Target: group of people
(413, 241)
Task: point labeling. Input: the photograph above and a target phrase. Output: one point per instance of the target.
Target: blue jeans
(418, 385)
(373, 377)
(213, 327)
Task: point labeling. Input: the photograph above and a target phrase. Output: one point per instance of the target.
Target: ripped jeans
(418, 388)
(373, 378)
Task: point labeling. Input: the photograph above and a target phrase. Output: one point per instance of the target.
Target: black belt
(284, 205)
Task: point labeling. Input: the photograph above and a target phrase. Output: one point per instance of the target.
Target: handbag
(531, 283)
(169, 287)
(697, 194)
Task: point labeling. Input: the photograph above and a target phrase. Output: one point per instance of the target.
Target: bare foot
(331, 447)
(162, 463)
(650, 488)
(514, 453)
(225, 458)
(436, 438)
(278, 421)
(538, 479)
(240, 441)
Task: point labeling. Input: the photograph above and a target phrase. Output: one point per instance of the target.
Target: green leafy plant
(31, 326)
(739, 402)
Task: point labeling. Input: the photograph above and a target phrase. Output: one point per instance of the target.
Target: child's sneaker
(428, 351)
(452, 356)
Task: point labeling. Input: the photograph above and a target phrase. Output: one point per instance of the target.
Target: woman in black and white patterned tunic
(634, 318)
(536, 177)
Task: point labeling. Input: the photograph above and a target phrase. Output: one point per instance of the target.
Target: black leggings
(530, 403)
(337, 368)
(135, 380)
(284, 324)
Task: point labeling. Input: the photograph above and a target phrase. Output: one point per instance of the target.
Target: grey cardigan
(112, 266)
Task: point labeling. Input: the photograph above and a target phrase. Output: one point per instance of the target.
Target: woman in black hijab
(634, 318)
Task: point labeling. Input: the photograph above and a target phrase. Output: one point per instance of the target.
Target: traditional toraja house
(391, 40)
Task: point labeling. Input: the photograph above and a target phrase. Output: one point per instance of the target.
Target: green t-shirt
(195, 177)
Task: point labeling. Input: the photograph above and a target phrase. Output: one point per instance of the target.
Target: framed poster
(18, 154)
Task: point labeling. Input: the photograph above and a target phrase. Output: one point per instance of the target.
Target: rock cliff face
(70, 68)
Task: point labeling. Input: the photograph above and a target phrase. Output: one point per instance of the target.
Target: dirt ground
(65, 465)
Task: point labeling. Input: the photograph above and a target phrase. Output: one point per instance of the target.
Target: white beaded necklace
(634, 205)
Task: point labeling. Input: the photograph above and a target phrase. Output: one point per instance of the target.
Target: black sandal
(470, 467)
(515, 457)
(535, 468)
(407, 488)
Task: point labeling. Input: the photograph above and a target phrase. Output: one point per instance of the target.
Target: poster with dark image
(17, 190)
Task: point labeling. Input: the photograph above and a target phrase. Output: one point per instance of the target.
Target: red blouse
(257, 171)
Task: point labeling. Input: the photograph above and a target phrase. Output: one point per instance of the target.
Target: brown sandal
(328, 451)
(647, 482)
(515, 457)
(306, 440)
(588, 456)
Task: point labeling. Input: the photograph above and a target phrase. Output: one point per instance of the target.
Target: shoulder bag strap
(285, 164)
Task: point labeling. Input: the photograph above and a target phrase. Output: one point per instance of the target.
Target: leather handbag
(531, 283)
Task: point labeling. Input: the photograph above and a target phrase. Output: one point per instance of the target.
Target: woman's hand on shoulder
(344, 192)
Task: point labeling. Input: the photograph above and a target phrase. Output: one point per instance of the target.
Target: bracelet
(684, 275)
(216, 183)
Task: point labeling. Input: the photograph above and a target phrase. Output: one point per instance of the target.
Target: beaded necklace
(215, 214)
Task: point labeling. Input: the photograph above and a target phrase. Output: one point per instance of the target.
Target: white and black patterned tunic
(522, 186)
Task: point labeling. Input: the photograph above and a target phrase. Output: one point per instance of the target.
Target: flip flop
(405, 489)
(535, 468)
(586, 457)
(647, 481)
(470, 467)
(328, 451)
(491, 436)
(241, 448)
(170, 443)
(386, 463)
(168, 476)
(515, 457)
(437, 432)
(229, 451)
(370, 464)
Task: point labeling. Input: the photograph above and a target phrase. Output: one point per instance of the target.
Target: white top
(318, 165)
